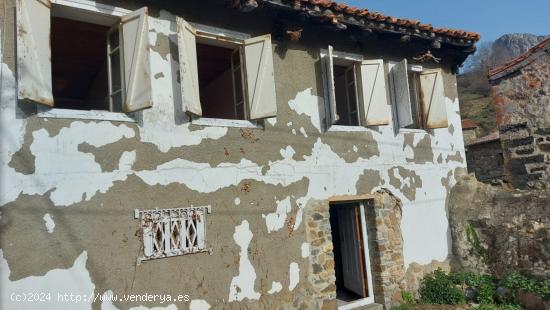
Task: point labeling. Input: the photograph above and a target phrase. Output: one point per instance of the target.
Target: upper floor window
(419, 96)
(225, 77)
(98, 61)
(221, 80)
(355, 90)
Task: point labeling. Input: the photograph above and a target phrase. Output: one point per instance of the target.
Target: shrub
(483, 285)
(536, 286)
(408, 298)
(439, 288)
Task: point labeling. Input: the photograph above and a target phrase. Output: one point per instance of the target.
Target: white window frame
(356, 59)
(82, 10)
(236, 38)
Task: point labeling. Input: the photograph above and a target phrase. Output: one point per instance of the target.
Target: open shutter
(328, 76)
(432, 98)
(373, 92)
(189, 73)
(137, 73)
(34, 69)
(260, 79)
(401, 93)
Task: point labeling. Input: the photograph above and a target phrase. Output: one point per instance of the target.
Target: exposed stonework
(520, 97)
(485, 161)
(383, 215)
(322, 276)
(497, 230)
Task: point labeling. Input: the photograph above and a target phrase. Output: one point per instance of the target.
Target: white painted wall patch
(294, 274)
(50, 225)
(242, 285)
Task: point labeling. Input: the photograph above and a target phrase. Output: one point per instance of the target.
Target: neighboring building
(291, 154)
(469, 130)
(484, 158)
(521, 93)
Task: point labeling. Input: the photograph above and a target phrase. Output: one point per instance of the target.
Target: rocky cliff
(512, 45)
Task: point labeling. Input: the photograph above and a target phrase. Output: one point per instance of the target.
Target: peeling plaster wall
(69, 187)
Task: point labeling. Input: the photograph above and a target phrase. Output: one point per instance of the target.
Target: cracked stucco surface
(69, 188)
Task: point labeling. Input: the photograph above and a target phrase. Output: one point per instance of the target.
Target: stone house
(484, 158)
(521, 92)
(292, 154)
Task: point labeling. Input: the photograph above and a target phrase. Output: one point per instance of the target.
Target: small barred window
(173, 232)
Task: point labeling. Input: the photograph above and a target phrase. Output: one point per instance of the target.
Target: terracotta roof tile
(468, 124)
(519, 61)
(345, 8)
(495, 136)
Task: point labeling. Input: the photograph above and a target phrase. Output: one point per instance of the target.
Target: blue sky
(490, 18)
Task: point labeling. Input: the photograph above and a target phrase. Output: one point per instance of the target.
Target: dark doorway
(349, 252)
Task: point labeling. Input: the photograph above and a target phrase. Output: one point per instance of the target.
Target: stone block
(519, 142)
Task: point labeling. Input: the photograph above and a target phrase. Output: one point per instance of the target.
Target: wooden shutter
(401, 94)
(34, 70)
(260, 80)
(373, 93)
(432, 98)
(328, 74)
(137, 72)
(189, 73)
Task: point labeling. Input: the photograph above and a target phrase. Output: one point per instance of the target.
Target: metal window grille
(173, 232)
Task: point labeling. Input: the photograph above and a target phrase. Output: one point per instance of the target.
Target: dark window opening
(220, 82)
(349, 254)
(79, 65)
(346, 95)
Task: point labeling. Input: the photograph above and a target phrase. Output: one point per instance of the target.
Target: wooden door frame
(361, 200)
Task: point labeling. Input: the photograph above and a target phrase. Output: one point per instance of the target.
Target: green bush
(536, 286)
(484, 285)
(408, 298)
(439, 288)
(442, 288)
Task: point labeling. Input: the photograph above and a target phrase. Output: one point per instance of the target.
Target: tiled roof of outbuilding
(495, 136)
(468, 124)
(520, 61)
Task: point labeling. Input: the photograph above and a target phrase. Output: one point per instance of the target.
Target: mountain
(512, 45)
(473, 86)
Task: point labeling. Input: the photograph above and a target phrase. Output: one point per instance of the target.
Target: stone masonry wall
(497, 230)
(527, 155)
(522, 104)
(485, 161)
